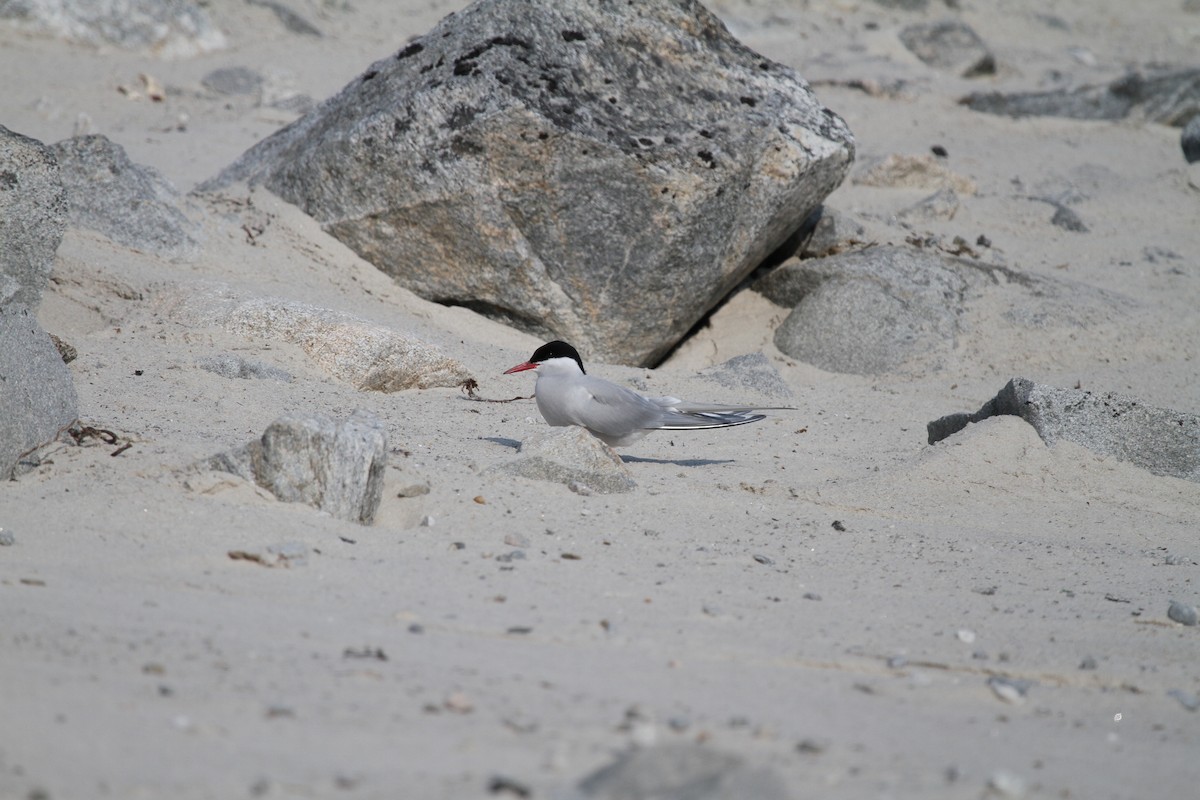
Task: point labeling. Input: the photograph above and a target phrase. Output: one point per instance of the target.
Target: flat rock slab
(1161, 440)
(33, 216)
(367, 356)
(129, 203)
(335, 466)
(571, 456)
(600, 173)
(1171, 97)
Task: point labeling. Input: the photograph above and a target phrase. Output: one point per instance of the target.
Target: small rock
(1189, 140)
(965, 635)
(1186, 699)
(1010, 690)
(1088, 663)
(516, 540)
(1182, 613)
(6, 538)
(1007, 784)
(764, 559)
(233, 81)
(228, 365)
(459, 703)
(678, 771)
(413, 490)
(336, 466)
(570, 454)
(950, 45)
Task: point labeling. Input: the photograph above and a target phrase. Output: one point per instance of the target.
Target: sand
(822, 594)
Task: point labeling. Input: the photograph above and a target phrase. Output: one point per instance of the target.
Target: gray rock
(367, 356)
(336, 466)
(1171, 97)
(880, 309)
(166, 28)
(33, 216)
(682, 772)
(131, 204)
(752, 371)
(1182, 613)
(571, 454)
(289, 18)
(1161, 440)
(941, 205)
(950, 45)
(869, 311)
(228, 365)
(7, 539)
(233, 81)
(1189, 140)
(37, 396)
(833, 232)
(601, 174)
(1186, 699)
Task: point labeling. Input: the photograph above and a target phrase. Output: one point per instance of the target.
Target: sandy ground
(822, 593)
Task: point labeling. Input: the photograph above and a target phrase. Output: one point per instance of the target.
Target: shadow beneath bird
(679, 462)
(513, 443)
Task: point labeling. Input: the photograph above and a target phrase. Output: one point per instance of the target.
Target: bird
(616, 415)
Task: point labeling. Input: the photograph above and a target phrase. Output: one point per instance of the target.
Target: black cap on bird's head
(549, 350)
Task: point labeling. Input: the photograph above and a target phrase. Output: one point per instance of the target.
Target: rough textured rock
(950, 45)
(600, 173)
(231, 365)
(37, 396)
(913, 172)
(1189, 139)
(570, 455)
(682, 772)
(33, 213)
(129, 203)
(368, 356)
(877, 309)
(1161, 440)
(866, 312)
(753, 371)
(832, 233)
(336, 466)
(1171, 97)
(167, 28)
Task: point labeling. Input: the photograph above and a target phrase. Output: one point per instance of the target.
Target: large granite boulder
(600, 173)
(37, 396)
(131, 204)
(33, 216)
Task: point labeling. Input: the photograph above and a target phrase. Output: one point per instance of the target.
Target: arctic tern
(617, 416)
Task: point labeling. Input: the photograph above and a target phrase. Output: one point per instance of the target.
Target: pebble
(966, 636)
(897, 662)
(413, 490)
(1088, 663)
(516, 540)
(1007, 784)
(1183, 614)
(6, 538)
(1189, 140)
(1186, 699)
(1010, 690)
(427, 521)
(764, 559)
